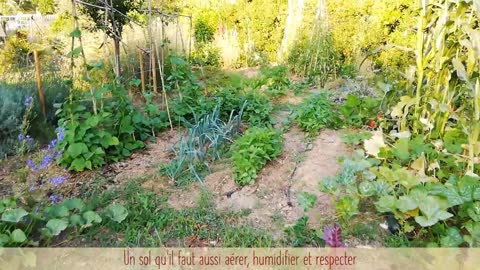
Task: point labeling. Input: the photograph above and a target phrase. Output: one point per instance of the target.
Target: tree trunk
(293, 23)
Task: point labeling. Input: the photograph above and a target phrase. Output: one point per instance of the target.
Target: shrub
(16, 54)
(203, 31)
(206, 55)
(252, 151)
(12, 111)
(316, 113)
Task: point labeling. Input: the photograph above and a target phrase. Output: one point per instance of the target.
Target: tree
(293, 23)
(112, 20)
(45, 6)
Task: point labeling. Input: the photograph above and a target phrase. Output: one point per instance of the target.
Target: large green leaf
(76, 220)
(401, 149)
(433, 210)
(14, 215)
(56, 226)
(74, 203)
(452, 239)
(406, 203)
(4, 239)
(18, 236)
(386, 204)
(76, 33)
(473, 229)
(75, 53)
(79, 164)
(473, 211)
(76, 149)
(91, 217)
(117, 212)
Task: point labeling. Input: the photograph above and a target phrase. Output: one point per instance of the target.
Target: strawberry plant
(252, 151)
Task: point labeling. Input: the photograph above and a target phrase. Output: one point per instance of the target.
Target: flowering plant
(48, 156)
(25, 141)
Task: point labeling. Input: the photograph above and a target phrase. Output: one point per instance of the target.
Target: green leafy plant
(113, 133)
(358, 111)
(252, 151)
(316, 113)
(203, 31)
(39, 225)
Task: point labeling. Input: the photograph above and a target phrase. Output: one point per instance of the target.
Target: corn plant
(203, 144)
(445, 88)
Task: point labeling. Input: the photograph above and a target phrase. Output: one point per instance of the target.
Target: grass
(151, 222)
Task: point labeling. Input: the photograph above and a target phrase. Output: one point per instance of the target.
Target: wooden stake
(39, 82)
(154, 71)
(142, 69)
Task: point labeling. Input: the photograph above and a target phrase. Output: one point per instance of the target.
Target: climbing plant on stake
(76, 52)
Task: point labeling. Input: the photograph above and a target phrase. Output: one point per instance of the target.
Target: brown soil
(272, 201)
(147, 162)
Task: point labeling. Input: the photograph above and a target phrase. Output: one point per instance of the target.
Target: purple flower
(31, 164)
(32, 187)
(29, 139)
(56, 181)
(21, 137)
(333, 236)
(53, 144)
(61, 134)
(54, 199)
(47, 159)
(28, 101)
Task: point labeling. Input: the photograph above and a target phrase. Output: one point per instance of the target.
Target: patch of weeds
(299, 88)
(366, 232)
(396, 241)
(277, 218)
(152, 222)
(301, 234)
(246, 237)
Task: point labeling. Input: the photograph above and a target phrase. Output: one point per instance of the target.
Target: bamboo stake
(39, 82)
(154, 72)
(164, 92)
(142, 70)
